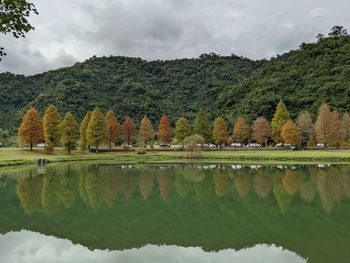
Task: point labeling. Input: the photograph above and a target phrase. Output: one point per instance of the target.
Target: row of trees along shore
(98, 129)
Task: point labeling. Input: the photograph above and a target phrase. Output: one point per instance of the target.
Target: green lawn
(16, 156)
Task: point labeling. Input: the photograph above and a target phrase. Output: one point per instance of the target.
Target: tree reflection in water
(100, 184)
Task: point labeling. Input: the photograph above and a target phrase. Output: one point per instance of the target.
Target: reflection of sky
(26, 246)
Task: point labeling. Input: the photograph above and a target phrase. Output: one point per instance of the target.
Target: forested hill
(304, 78)
(128, 86)
(228, 86)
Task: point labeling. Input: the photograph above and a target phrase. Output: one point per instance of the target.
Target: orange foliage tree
(333, 136)
(164, 130)
(322, 124)
(261, 130)
(241, 130)
(146, 130)
(345, 128)
(113, 128)
(31, 129)
(220, 131)
(129, 129)
(291, 133)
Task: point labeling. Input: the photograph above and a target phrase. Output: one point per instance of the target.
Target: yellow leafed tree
(51, 122)
(31, 129)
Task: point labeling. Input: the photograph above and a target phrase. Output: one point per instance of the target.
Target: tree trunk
(31, 146)
(96, 148)
(110, 143)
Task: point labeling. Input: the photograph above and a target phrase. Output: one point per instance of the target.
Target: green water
(175, 213)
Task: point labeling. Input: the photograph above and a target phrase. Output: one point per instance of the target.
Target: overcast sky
(68, 31)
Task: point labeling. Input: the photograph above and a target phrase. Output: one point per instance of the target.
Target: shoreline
(10, 157)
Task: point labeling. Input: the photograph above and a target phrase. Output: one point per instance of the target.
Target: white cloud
(28, 247)
(74, 30)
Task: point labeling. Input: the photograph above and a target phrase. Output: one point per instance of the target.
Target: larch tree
(182, 130)
(345, 128)
(291, 133)
(306, 125)
(322, 124)
(241, 130)
(146, 130)
(280, 117)
(129, 129)
(261, 130)
(334, 129)
(70, 132)
(164, 130)
(113, 128)
(201, 126)
(31, 129)
(96, 132)
(52, 121)
(83, 128)
(220, 134)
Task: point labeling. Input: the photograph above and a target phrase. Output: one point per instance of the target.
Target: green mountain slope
(304, 78)
(126, 85)
(228, 86)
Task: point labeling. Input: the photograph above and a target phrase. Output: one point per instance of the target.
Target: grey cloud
(74, 30)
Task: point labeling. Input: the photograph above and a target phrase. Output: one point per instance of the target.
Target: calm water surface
(175, 213)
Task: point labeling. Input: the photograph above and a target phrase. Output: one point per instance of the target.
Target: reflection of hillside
(99, 185)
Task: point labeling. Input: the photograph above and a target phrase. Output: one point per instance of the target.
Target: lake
(175, 213)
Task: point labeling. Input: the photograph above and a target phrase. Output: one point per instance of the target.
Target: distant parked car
(236, 144)
(212, 146)
(280, 145)
(254, 145)
(294, 147)
(41, 145)
(164, 145)
(320, 145)
(1, 145)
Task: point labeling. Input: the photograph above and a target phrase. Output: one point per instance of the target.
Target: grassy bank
(15, 156)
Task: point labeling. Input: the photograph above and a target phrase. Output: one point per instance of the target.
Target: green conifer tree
(201, 126)
(280, 117)
(182, 130)
(70, 132)
(51, 122)
(83, 128)
(97, 133)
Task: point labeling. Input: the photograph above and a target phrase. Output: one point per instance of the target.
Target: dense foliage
(303, 79)
(221, 86)
(128, 86)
